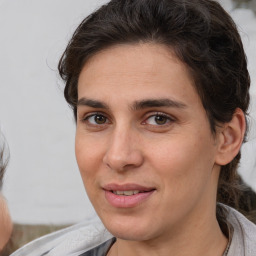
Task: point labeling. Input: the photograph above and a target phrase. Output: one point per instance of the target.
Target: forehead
(138, 70)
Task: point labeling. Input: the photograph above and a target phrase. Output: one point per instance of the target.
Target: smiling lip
(127, 195)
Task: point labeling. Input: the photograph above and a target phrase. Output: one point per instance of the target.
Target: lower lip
(121, 201)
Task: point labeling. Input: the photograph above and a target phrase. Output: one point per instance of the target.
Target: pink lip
(122, 201)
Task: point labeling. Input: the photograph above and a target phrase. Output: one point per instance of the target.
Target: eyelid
(86, 116)
(149, 115)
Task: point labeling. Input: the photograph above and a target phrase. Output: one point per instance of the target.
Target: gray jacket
(90, 238)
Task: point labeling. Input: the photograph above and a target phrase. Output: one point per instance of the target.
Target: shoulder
(74, 240)
(244, 234)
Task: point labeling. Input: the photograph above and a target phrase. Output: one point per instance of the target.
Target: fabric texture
(71, 241)
(244, 234)
(101, 249)
(90, 238)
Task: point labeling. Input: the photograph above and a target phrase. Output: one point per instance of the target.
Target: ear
(230, 138)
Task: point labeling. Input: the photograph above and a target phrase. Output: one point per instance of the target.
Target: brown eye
(96, 119)
(99, 119)
(159, 119)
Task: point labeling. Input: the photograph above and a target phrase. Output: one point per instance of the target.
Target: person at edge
(160, 93)
(5, 220)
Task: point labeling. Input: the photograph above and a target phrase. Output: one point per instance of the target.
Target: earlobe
(231, 138)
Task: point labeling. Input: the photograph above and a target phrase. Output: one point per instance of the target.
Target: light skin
(140, 121)
(5, 223)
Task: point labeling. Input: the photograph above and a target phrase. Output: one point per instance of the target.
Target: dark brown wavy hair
(202, 35)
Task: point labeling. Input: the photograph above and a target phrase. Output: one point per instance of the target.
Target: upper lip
(126, 187)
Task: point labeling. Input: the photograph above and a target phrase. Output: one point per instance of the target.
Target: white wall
(42, 184)
(246, 21)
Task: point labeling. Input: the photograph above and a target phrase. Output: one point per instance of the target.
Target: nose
(123, 150)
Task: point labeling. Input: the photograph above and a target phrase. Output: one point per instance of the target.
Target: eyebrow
(137, 105)
(148, 103)
(91, 103)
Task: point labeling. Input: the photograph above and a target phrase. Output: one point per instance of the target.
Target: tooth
(128, 193)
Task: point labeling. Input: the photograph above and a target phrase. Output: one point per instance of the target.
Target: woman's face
(143, 143)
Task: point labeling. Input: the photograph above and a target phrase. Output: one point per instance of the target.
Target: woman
(160, 92)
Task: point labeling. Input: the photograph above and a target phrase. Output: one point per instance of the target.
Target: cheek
(185, 161)
(89, 158)
(184, 168)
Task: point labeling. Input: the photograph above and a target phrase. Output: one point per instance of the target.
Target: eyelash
(86, 118)
(168, 118)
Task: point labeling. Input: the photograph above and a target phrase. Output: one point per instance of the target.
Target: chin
(129, 234)
(129, 228)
